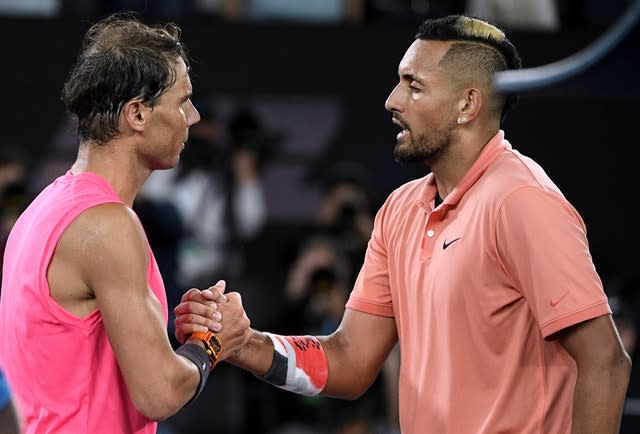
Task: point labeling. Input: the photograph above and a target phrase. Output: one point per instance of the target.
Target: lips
(401, 135)
(405, 130)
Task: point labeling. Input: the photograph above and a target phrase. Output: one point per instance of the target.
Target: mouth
(405, 130)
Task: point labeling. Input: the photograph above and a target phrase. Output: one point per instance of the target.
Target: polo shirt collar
(494, 147)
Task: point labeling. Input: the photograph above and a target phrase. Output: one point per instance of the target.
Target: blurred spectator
(32, 8)
(541, 15)
(165, 230)
(391, 378)
(624, 299)
(310, 11)
(14, 195)
(317, 286)
(155, 8)
(626, 322)
(9, 419)
(59, 154)
(202, 213)
(13, 168)
(218, 195)
(347, 210)
(13, 199)
(411, 10)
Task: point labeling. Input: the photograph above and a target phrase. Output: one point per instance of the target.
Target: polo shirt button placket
(427, 244)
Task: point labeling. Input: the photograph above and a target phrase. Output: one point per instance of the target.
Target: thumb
(218, 288)
(221, 285)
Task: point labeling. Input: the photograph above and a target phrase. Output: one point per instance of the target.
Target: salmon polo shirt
(477, 287)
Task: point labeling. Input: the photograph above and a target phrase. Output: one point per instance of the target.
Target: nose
(194, 115)
(392, 103)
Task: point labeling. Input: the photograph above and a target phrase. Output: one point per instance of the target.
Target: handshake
(211, 310)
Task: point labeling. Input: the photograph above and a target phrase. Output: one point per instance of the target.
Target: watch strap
(212, 343)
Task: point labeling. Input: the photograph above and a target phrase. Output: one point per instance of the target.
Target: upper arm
(114, 260)
(593, 343)
(357, 351)
(603, 369)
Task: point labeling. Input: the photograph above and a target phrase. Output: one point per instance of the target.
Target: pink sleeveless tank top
(61, 368)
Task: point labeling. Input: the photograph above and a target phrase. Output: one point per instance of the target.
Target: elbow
(156, 406)
(352, 396)
(348, 392)
(623, 363)
(618, 366)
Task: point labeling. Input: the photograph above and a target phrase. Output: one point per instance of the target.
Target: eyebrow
(411, 77)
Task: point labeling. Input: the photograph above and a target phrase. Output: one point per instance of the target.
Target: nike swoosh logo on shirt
(445, 244)
(555, 302)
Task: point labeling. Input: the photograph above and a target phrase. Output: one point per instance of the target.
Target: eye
(414, 89)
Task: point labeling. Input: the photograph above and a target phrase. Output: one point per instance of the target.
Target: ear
(134, 114)
(469, 106)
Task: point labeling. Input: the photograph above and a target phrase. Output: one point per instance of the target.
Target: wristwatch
(211, 343)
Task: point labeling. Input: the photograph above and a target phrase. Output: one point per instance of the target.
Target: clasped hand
(213, 310)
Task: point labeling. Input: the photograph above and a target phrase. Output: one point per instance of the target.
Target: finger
(178, 334)
(197, 308)
(188, 294)
(208, 295)
(234, 297)
(217, 291)
(184, 330)
(220, 286)
(216, 296)
(189, 320)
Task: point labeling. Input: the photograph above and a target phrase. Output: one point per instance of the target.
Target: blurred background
(277, 189)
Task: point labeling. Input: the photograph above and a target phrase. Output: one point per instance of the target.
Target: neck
(119, 169)
(460, 156)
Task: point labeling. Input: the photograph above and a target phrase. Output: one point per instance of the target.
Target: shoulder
(409, 193)
(513, 170)
(109, 218)
(406, 200)
(103, 229)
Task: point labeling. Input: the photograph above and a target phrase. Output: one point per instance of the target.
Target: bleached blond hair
(479, 49)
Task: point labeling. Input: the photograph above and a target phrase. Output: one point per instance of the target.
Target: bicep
(357, 351)
(115, 259)
(593, 342)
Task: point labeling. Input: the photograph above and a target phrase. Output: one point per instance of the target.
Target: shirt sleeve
(371, 293)
(543, 244)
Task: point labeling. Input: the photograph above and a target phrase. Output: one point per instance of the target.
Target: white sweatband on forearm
(299, 364)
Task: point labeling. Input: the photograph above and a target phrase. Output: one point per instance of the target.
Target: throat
(438, 199)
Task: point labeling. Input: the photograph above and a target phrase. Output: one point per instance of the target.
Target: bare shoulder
(108, 237)
(106, 222)
(101, 241)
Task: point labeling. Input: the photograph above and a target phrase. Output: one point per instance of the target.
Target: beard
(423, 148)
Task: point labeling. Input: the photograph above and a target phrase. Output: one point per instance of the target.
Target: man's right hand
(213, 310)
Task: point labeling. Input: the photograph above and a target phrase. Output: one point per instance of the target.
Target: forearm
(599, 398)
(349, 373)
(169, 389)
(256, 356)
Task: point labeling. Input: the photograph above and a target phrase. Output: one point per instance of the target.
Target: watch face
(215, 344)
